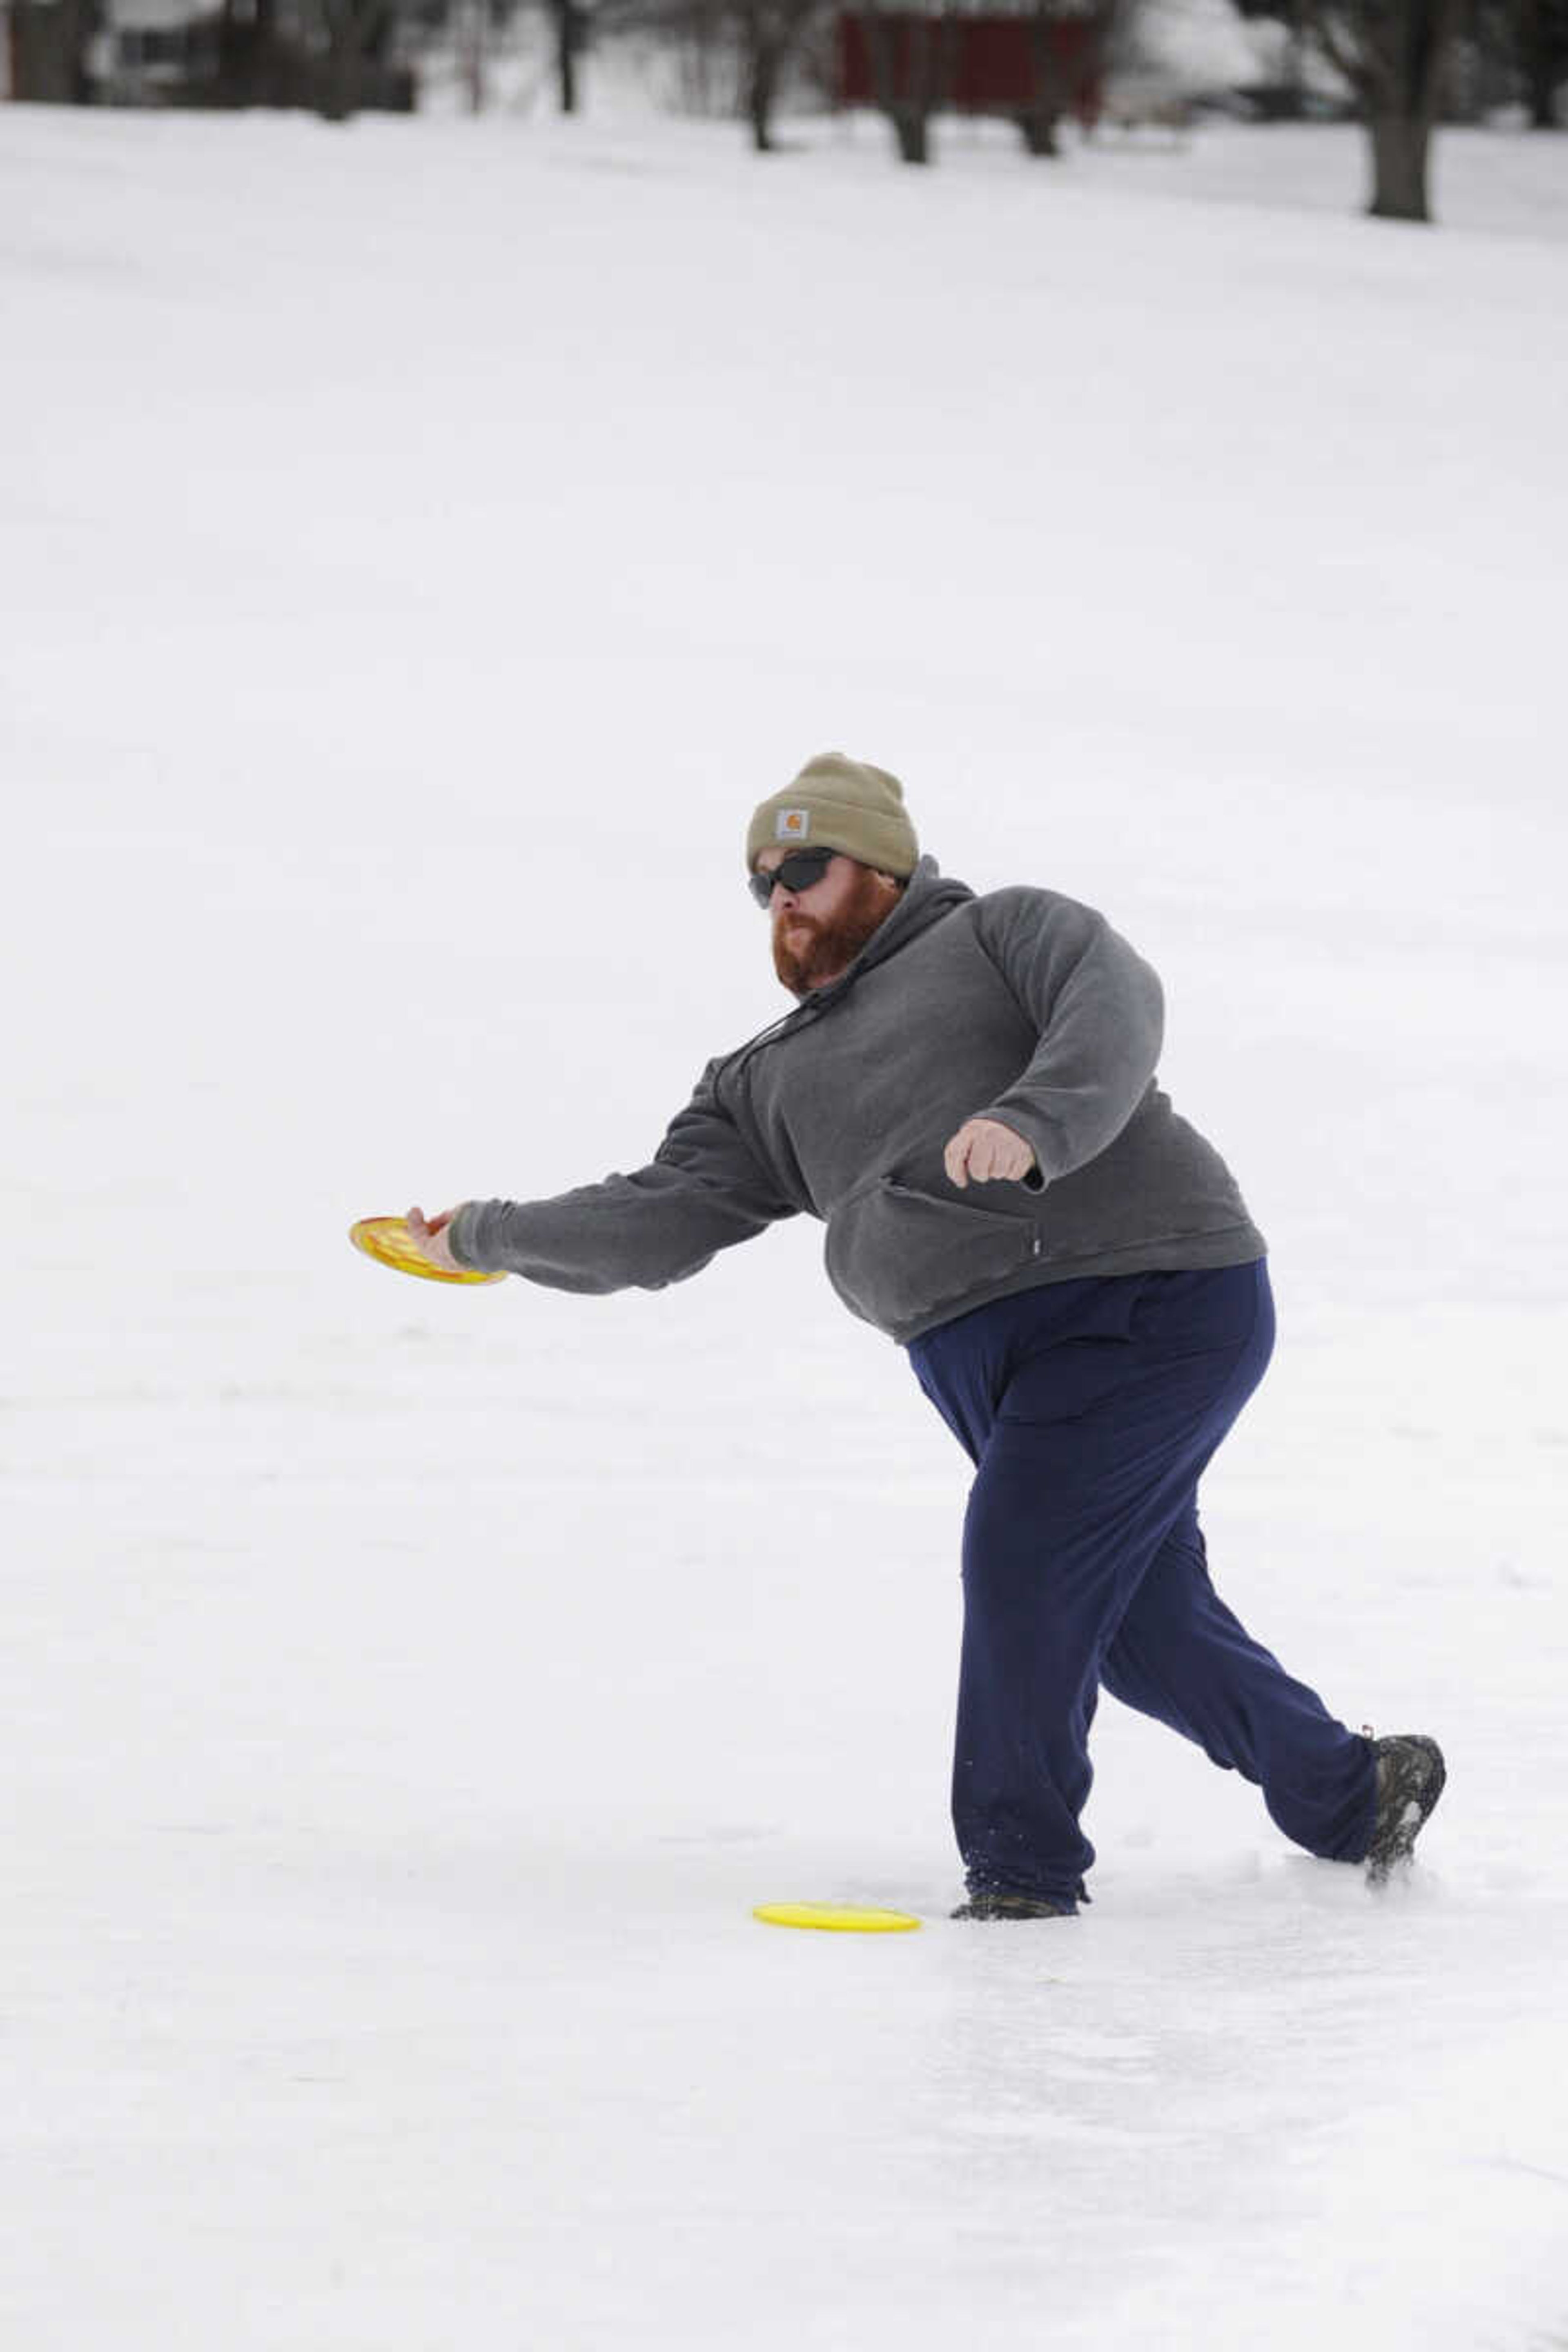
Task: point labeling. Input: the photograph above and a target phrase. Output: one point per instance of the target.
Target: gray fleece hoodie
(1021, 1006)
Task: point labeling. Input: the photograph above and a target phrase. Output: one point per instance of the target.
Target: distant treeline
(1401, 65)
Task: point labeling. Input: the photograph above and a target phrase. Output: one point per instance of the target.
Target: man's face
(818, 933)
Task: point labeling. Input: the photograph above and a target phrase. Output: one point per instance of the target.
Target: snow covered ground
(420, 547)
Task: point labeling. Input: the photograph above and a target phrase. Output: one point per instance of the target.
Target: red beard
(807, 958)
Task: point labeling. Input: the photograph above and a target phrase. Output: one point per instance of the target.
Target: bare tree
(1068, 45)
(1392, 53)
(770, 33)
(568, 20)
(911, 68)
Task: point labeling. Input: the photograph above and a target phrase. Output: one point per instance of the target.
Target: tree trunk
(1394, 57)
(762, 88)
(1399, 147)
(565, 15)
(1039, 119)
(911, 129)
(1405, 57)
(475, 30)
(909, 101)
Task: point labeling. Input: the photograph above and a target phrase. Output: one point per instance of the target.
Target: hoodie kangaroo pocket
(896, 1255)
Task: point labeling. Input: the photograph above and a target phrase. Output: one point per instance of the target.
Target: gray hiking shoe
(1410, 1777)
(1014, 1906)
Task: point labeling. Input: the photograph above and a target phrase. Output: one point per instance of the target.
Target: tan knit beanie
(840, 804)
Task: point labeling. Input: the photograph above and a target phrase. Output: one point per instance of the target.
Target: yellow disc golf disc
(842, 1916)
(387, 1239)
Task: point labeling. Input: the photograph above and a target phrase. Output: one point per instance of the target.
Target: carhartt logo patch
(794, 824)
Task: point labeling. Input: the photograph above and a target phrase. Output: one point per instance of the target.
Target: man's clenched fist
(985, 1149)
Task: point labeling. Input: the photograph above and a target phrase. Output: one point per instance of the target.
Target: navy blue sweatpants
(1089, 1410)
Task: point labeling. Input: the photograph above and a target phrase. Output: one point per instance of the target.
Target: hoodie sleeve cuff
(1030, 1132)
(460, 1237)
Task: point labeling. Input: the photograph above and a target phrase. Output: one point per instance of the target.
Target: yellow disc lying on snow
(841, 1915)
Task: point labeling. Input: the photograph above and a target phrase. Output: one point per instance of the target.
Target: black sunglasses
(799, 871)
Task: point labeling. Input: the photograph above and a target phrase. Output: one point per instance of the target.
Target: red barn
(997, 63)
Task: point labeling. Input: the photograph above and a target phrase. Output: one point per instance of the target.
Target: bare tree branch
(1341, 53)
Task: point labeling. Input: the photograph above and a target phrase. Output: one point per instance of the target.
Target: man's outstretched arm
(703, 1190)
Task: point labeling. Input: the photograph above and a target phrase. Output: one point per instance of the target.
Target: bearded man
(965, 1094)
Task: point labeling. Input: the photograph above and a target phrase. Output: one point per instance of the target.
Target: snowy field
(421, 545)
